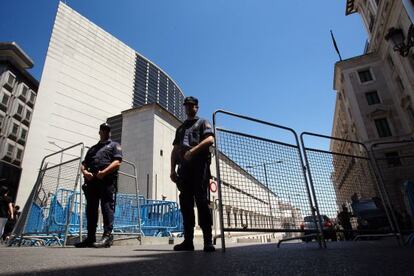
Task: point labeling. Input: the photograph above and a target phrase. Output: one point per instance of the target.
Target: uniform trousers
(102, 191)
(193, 184)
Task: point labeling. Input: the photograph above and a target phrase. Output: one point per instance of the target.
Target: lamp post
(401, 45)
(267, 184)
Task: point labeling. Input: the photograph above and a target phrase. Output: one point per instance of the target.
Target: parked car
(371, 215)
(309, 227)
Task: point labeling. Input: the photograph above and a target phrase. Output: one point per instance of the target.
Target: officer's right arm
(174, 162)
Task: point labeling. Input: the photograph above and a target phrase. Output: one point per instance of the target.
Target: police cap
(191, 100)
(105, 126)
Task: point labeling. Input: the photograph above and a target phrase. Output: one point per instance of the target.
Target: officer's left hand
(188, 155)
(100, 175)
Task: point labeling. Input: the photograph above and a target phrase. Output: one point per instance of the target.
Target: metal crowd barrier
(262, 183)
(326, 189)
(394, 162)
(346, 189)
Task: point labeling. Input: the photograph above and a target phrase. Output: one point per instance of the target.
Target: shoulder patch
(118, 147)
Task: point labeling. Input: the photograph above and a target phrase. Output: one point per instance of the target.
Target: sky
(272, 60)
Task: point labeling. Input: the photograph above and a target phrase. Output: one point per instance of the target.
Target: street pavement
(340, 258)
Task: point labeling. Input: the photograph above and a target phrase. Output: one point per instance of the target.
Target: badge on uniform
(118, 147)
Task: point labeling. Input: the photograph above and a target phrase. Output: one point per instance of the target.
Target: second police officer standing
(192, 155)
(100, 170)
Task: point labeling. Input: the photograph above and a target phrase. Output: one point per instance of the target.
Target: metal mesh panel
(395, 161)
(263, 185)
(51, 204)
(346, 190)
(127, 216)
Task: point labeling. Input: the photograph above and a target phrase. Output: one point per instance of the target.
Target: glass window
(365, 75)
(20, 109)
(383, 128)
(1, 120)
(10, 79)
(28, 114)
(32, 97)
(23, 134)
(19, 154)
(10, 150)
(25, 89)
(372, 97)
(5, 99)
(15, 129)
(393, 159)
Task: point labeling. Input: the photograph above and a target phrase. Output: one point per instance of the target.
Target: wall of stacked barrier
(54, 214)
(321, 188)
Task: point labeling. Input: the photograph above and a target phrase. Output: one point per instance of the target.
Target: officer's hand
(100, 175)
(188, 155)
(174, 177)
(88, 175)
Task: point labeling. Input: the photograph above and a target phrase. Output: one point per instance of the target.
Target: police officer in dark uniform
(192, 155)
(100, 171)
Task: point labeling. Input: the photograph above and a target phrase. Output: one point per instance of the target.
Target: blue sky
(268, 59)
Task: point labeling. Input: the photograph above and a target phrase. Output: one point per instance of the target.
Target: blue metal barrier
(160, 218)
(47, 224)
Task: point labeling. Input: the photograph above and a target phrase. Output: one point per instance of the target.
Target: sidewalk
(341, 258)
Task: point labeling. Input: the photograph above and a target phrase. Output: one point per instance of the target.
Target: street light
(396, 36)
(61, 160)
(266, 182)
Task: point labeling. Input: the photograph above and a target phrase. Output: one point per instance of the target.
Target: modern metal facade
(88, 76)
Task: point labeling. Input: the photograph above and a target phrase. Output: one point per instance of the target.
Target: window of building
(14, 129)
(19, 153)
(23, 134)
(365, 75)
(10, 150)
(24, 91)
(28, 115)
(1, 120)
(372, 98)
(5, 98)
(383, 128)
(393, 159)
(20, 109)
(10, 79)
(32, 97)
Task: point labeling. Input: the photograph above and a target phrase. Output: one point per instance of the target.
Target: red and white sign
(213, 186)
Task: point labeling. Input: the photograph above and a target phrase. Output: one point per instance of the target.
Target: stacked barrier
(56, 207)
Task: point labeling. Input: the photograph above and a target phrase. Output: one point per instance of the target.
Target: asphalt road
(341, 258)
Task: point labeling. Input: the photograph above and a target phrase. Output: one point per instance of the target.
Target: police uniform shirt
(192, 132)
(102, 155)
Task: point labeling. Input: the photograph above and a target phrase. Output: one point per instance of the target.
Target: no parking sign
(213, 186)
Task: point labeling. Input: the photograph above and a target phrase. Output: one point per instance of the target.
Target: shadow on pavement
(347, 259)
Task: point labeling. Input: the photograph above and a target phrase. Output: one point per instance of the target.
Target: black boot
(106, 241)
(207, 236)
(184, 246)
(209, 247)
(88, 242)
